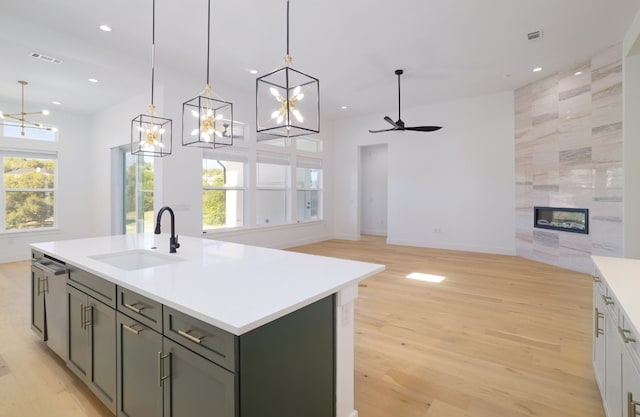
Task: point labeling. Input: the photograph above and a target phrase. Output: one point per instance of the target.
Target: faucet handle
(173, 244)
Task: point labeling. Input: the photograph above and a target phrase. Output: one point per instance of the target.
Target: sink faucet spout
(173, 240)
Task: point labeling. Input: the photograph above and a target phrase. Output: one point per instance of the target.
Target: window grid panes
(222, 194)
(308, 193)
(271, 193)
(28, 192)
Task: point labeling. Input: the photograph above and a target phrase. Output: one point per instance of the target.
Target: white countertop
(623, 278)
(232, 286)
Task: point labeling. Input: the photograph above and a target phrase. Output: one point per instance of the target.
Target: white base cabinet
(616, 355)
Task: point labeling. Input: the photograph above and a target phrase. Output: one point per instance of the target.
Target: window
(308, 144)
(15, 130)
(272, 179)
(28, 191)
(138, 193)
(222, 193)
(308, 189)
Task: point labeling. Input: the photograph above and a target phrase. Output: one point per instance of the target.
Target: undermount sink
(131, 260)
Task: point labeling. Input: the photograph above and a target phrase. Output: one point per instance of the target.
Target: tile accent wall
(568, 147)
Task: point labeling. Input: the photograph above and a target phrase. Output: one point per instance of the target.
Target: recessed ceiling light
(253, 71)
(578, 73)
(45, 112)
(344, 107)
(57, 103)
(92, 80)
(105, 28)
(537, 69)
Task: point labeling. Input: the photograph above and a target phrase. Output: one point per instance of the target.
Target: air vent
(532, 36)
(46, 58)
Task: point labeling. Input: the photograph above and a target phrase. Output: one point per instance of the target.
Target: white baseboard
(453, 246)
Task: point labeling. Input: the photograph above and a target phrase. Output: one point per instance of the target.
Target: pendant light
(151, 134)
(207, 122)
(287, 101)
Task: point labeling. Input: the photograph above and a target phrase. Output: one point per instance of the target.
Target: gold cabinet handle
(132, 329)
(625, 338)
(607, 300)
(632, 411)
(88, 321)
(597, 331)
(596, 278)
(133, 308)
(161, 376)
(186, 333)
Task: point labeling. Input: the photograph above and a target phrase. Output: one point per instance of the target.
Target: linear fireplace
(574, 220)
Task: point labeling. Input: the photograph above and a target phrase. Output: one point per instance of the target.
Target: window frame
(238, 155)
(310, 163)
(26, 154)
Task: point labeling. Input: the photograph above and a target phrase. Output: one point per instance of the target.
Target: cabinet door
(599, 323)
(78, 346)
(630, 387)
(37, 302)
(196, 386)
(613, 378)
(139, 367)
(102, 352)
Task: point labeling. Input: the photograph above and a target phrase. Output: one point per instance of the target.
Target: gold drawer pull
(596, 279)
(188, 336)
(625, 338)
(607, 300)
(161, 375)
(132, 329)
(133, 308)
(596, 319)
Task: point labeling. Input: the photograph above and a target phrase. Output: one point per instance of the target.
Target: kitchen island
(253, 300)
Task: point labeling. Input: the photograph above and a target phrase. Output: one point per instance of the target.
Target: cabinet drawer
(140, 308)
(98, 288)
(209, 341)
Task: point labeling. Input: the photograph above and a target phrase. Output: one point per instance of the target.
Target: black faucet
(173, 240)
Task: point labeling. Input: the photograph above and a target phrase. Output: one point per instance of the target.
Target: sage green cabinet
(195, 385)
(91, 347)
(159, 377)
(140, 363)
(38, 284)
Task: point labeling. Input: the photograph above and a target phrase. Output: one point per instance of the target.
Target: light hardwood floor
(500, 336)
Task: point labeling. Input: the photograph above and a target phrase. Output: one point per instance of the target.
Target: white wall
(631, 139)
(451, 189)
(374, 195)
(74, 213)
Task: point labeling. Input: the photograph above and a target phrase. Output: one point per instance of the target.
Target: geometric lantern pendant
(151, 135)
(207, 122)
(287, 103)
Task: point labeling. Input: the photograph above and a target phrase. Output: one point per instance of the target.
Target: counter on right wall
(569, 153)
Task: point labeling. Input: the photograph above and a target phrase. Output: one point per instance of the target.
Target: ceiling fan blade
(390, 121)
(383, 130)
(423, 128)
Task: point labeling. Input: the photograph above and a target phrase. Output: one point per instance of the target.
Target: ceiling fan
(399, 124)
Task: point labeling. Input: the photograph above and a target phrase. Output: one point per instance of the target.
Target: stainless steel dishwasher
(54, 286)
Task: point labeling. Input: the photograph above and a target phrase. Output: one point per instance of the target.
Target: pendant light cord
(153, 46)
(208, 36)
(399, 116)
(287, 27)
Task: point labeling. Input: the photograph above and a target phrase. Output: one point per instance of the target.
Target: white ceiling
(449, 49)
